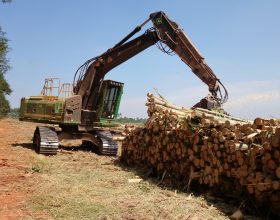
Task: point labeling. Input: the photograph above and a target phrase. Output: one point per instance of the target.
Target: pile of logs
(186, 145)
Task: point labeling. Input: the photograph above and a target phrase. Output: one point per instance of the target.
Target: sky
(238, 39)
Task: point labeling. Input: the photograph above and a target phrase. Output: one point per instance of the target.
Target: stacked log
(195, 144)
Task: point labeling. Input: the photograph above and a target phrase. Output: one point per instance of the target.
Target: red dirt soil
(15, 173)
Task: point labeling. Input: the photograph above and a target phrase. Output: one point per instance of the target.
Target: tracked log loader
(95, 101)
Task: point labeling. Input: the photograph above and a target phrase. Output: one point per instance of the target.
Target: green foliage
(4, 62)
(4, 67)
(125, 120)
(4, 86)
(14, 113)
(4, 106)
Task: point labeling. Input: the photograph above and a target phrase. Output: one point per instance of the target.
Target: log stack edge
(187, 145)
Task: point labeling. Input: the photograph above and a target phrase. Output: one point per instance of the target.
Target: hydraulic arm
(169, 38)
(95, 102)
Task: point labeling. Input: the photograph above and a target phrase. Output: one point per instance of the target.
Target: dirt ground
(78, 184)
(15, 162)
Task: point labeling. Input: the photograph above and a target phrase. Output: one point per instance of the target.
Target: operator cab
(109, 101)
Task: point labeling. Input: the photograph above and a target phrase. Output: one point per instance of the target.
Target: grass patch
(68, 207)
(84, 185)
(39, 164)
(36, 169)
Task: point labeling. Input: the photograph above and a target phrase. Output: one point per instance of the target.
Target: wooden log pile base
(185, 145)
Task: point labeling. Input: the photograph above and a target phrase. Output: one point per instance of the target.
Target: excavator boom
(170, 39)
(170, 34)
(88, 87)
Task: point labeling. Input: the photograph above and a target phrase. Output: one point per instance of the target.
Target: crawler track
(109, 147)
(45, 140)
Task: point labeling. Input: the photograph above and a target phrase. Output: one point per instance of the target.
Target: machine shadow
(83, 147)
(24, 145)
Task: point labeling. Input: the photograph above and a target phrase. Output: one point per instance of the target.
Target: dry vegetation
(82, 185)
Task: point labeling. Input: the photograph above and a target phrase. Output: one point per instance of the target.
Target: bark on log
(216, 146)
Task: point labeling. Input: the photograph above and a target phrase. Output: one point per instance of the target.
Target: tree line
(125, 120)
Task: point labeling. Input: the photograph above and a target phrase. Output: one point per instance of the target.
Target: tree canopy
(4, 67)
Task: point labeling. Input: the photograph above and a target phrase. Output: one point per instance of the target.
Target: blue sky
(239, 40)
